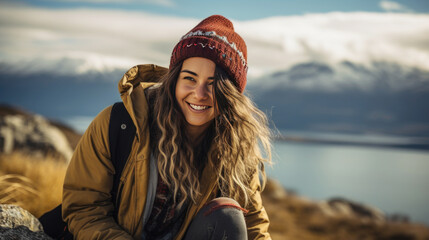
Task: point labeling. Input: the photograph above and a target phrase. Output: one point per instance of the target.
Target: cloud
(391, 6)
(165, 3)
(362, 38)
(81, 40)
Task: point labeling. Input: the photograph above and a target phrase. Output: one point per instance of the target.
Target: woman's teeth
(196, 107)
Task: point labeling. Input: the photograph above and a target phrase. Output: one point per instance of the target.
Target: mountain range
(383, 98)
(380, 98)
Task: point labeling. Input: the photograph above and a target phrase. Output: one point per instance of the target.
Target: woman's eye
(189, 78)
(211, 83)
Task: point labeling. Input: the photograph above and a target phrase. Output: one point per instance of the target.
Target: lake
(393, 180)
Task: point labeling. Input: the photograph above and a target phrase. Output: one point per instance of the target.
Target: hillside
(296, 217)
(21, 131)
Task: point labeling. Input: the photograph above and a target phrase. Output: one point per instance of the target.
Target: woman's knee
(220, 218)
(218, 204)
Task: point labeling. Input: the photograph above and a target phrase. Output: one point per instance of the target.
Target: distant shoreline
(320, 140)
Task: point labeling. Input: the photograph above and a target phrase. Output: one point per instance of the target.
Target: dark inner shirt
(166, 217)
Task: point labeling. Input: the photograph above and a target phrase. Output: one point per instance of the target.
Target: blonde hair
(231, 146)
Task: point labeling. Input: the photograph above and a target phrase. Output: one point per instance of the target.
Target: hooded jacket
(87, 204)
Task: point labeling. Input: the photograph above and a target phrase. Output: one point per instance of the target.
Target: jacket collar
(131, 88)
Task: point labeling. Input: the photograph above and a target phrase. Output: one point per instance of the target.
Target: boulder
(22, 233)
(17, 223)
(32, 134)
(349, 208)
(12, 216)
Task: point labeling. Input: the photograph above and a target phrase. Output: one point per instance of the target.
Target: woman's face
(194, 92)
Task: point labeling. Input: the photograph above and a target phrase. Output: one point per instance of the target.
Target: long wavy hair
(236, 144)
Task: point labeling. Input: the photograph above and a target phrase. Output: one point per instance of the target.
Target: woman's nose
(202, 91)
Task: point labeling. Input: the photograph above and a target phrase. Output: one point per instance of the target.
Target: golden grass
(33, 183)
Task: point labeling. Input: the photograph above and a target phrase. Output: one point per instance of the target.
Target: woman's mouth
(198, 107)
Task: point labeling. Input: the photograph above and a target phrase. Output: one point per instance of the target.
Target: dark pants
(220, 219)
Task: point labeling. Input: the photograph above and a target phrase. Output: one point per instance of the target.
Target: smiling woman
(194, 94)
(193, 170)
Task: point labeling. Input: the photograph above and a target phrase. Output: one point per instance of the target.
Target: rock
(32, 134)
(18, 223)
(12, 216)
(346, 208)
(398, 217)
(22, 233)
(273, 189)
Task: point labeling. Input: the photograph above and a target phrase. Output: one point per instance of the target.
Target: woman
(193, 171)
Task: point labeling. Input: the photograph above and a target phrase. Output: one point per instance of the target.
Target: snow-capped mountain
(380, 98)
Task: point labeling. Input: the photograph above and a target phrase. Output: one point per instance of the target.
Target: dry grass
(34, 183)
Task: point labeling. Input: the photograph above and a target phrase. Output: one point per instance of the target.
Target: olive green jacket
(87, 205)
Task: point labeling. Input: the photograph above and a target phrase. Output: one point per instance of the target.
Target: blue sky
(239, 9)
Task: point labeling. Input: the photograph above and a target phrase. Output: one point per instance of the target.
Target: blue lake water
(393, 180)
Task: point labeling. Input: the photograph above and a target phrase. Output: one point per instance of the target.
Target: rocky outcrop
(334, 207)
(350, 209)
(32, 134)
(17, 223)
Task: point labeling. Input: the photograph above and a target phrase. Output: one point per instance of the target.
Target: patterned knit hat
(214, 38)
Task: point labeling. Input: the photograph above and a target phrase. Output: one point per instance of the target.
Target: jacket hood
(131, 88)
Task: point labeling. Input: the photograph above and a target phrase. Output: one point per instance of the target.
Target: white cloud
(97, 1)
(280, 42)
(80, 40)
(391, 6)
(165, 3)
(86, 39)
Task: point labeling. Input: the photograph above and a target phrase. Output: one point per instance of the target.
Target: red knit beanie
(214, 38)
